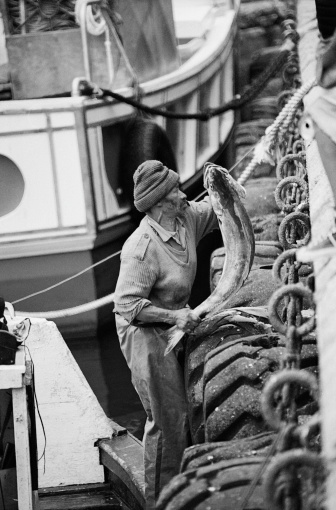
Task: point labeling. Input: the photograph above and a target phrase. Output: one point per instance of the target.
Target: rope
(263, 149)
(75, 310)
(95, 23)
(237, 102)
(66, 279)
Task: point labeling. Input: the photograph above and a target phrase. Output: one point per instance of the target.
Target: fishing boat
(68, 152)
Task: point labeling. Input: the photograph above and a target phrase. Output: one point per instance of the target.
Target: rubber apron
(158, 380)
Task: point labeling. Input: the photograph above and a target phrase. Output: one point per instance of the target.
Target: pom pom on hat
(152, 182)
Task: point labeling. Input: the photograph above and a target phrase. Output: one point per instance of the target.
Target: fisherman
(158, 267)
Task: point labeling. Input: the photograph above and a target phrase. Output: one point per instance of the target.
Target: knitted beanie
(152, 182)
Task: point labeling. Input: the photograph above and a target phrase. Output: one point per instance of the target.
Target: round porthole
(11, 186)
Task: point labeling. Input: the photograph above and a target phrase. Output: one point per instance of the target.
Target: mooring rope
(264, 148)
(234, 104)
(68, 312)
(66, 279)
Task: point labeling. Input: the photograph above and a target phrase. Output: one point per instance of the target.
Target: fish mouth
(213, 173)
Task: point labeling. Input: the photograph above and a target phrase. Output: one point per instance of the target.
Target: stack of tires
(226, 368)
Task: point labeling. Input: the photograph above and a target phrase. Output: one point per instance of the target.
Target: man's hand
(186, 320)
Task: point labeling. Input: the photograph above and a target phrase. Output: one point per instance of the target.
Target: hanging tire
(144, 140)
(216, 487)
(196, 351)
(266, 253)
(266, 227)
(201, 455)
(256, 290)
(234, 376)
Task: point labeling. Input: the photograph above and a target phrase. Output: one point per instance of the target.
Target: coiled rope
(263, 150)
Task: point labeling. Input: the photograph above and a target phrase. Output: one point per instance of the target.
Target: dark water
(105, 369)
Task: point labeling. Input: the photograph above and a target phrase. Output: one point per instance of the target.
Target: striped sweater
(154, 273)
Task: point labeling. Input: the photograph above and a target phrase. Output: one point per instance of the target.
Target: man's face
(175, 202)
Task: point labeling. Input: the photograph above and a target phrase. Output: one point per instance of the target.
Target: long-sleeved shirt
(152, 272)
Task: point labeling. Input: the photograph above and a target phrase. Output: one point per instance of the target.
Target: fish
(226, 197)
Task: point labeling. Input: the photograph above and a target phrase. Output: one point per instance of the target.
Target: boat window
(12, 186)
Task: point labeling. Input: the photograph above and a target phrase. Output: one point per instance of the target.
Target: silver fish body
(226, 197)
(237, 232)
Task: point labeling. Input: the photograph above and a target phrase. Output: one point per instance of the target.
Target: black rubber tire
(144, 140)
(216, 487)
(206, 454)
(256, 290)
(265, 254)
(234, 376)
(196, 352)
(266, 227)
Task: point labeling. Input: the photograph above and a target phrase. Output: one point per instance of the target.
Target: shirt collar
(166, 235)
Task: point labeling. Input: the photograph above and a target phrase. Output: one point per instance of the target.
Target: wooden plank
(22, 454)
(11, 376)
(79, 497)
(123, 457)
(72, 416)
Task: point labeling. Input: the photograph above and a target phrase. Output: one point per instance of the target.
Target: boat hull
(70, 209)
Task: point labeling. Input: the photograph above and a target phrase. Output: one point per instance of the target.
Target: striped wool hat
(152, 182)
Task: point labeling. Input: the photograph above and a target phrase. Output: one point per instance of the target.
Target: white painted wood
(11, 375)
(22, 454)
(72, 416)
(189, 128)
(69, 179)
(95, 161)
(22, 123)
(37, 210)
(62, 119)
(227, 92)
(214, 102)
(44, 243)
(192, 20)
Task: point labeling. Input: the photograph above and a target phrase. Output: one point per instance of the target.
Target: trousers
(159, 382)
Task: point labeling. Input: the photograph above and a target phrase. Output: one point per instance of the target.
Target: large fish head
(219, 182)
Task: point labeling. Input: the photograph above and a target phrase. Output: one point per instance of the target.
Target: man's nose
(183, 196)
